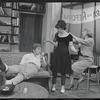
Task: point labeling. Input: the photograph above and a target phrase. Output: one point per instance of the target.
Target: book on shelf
(15, 30)
(11, 39)
(8, 4)
(1, 11)
(14, 22)
(5, 32)
(15, 5)
(17, 21)
(5, 11)
(2, 23)
(33, 7)
(5, 21)
(15, 13)
(16, 39)
(4, 38)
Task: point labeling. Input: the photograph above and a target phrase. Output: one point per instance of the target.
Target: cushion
(42, 74)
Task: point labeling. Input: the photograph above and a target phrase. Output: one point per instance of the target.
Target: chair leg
(88, 79)
(97, 75)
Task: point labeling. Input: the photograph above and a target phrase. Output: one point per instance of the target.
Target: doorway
(30, 31)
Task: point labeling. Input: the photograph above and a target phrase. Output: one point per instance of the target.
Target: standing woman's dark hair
(61, 24)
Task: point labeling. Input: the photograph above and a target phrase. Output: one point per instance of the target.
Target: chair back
(96, 61)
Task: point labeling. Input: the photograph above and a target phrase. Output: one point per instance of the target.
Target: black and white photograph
(49, 49)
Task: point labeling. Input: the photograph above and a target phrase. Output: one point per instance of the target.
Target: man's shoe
(2, 66)
(2, 79)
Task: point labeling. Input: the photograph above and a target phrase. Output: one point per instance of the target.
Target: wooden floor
(73, 93)
(36, 91)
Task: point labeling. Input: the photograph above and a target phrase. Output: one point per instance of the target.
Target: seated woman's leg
(76, 72)
(79, 67)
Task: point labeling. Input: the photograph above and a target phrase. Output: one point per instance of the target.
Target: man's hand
(41, 58)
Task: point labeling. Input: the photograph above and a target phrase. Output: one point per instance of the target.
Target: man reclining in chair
(29, 66)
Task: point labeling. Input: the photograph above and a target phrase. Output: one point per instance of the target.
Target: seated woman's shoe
(2, 66)
(70, 86)
(80, 81)
(77, 86)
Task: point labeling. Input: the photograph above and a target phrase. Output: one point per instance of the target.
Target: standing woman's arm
(72, 47)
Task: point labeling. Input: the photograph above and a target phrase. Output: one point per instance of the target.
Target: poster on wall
(77, 16)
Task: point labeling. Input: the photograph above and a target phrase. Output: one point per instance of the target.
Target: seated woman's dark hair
(61, 24)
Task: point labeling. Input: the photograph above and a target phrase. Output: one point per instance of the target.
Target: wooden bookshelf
(10, 20)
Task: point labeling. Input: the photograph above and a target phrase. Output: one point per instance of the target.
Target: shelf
(9, 34)
(13, 43)
(5, 34)
(5, 16)
(14, 34)
(14, 26)
(6, 25)
(15, 9)
(8, 43)
(5, 7)
(14, 17)
(32, 11)
(4, 42)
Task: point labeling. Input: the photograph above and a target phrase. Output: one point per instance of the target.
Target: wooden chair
(90, 69)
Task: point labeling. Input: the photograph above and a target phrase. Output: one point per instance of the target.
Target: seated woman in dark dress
(61, 58)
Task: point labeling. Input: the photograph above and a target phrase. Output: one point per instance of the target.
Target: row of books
(15, 13)
(5, 11)
(10, 4)
(9, 39)
(15, 22)
(15, 30)
(6, 4)
(15, 5)
(6, 21)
